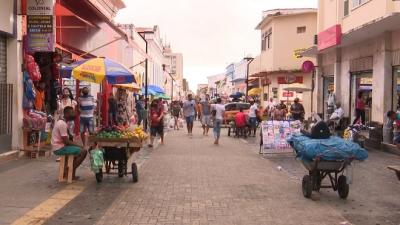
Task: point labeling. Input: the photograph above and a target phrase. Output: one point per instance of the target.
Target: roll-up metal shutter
(396, 58)
(361, 64)
(3, 60)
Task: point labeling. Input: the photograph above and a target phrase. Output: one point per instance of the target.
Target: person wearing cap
(297, 110)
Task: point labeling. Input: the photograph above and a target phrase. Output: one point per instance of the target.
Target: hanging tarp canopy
(254, 92)
(130, 87)
(153, 90)
(97, 70)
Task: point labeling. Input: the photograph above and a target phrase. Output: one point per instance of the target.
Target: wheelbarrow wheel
(307, 186)
(343, 187)
(99, 176)
(135, 174)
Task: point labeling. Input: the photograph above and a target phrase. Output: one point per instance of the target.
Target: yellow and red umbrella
(97, 70)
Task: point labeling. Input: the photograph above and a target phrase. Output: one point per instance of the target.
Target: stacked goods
(116, 132)
(331, 149)
(35, 120)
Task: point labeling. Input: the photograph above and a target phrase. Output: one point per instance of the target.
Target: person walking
(360, 109)
(86, 108)
(139, 110)
(205, 111)
(176, 113)
(61, 141)
(112, 110)
(189, 110)
(297, 110)
(253, 117)
(156, 122)
(218, 113)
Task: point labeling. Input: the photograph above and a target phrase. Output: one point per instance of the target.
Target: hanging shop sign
(40, 26)
(290, 79)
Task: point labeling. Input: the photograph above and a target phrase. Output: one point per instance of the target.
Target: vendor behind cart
(62, 144)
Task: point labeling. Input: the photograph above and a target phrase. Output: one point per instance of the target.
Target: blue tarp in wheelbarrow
(331, 149)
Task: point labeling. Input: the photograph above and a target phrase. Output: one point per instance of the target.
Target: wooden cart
(117, 152)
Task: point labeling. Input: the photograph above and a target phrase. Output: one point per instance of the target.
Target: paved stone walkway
(191, 181)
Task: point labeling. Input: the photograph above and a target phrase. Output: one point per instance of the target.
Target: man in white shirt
(189, 108)
(218, 111)
(338, 113)
(253, 117)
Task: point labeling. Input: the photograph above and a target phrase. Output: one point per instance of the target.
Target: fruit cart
(118, 148)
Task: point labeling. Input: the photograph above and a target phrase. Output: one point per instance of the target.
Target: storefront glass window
(362, 83)
(396, 95)
(329, 83)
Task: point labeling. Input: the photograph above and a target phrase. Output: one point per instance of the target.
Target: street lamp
(249, 59)
(172, 81)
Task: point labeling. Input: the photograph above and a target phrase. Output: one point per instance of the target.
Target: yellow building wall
(327, 14)
(286, 40)
(365, 13)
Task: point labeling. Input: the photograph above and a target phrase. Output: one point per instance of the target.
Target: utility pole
(249, 60)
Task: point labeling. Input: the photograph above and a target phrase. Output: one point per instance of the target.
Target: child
(388, 129)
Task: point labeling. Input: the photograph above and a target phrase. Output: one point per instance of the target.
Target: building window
(346, 8)
(301, 30)
(266, 42)
(358, 2)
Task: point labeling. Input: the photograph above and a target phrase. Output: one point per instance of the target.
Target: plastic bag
(96, 160)
(180, 123)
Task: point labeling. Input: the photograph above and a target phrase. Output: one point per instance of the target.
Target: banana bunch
(138, 131)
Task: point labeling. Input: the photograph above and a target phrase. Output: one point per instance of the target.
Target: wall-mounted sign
(39, 7)
(40, 26)
(288, 94)
(330, 37)
(307, 66)
(290, 79)
(298, 53)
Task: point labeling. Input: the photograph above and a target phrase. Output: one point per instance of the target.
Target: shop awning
(254, 92)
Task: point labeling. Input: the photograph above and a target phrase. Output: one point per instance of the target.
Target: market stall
(112, 146)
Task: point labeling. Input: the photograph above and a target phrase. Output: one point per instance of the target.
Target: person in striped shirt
(86, 108)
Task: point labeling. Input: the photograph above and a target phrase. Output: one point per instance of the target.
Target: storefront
(328, 92)
(8, 72)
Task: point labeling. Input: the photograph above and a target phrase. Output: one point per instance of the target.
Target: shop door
(361, 83)
(329, 84)
(6, 93)
(396, 88)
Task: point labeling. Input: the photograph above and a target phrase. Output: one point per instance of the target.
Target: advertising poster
(275, 134)
(40, 25)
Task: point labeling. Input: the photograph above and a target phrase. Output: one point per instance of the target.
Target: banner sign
(40, 26)
(275, 134)
(330, 37)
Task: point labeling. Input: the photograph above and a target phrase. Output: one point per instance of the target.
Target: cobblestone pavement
(191, 181)
(374, 195)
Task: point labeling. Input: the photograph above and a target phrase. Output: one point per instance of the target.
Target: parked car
(232, 108)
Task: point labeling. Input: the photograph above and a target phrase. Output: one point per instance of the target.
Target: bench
(70, 168)
(396, 169)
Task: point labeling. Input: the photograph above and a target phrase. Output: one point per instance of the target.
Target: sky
(210, 34)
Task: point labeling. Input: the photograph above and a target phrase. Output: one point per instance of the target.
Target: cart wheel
(135, 174)
(120, 168)
(99, 176)
(343, 187)
(307, 186)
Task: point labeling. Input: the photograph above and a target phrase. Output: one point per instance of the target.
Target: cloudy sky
(210, 34)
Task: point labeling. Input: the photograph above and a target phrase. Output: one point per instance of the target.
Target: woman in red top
(360, 109)
(156, 122)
